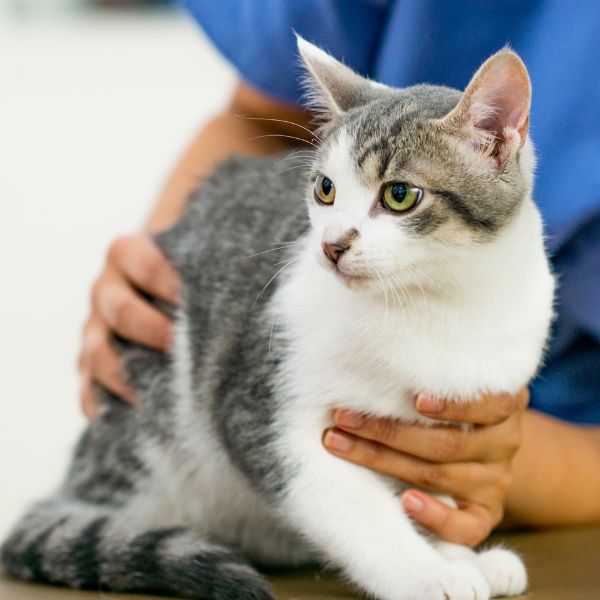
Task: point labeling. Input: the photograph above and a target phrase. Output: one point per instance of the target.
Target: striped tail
(80, 546)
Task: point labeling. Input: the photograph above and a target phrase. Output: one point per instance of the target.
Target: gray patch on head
(424, 221)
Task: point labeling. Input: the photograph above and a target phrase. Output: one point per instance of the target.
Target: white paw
(461, 580)
(504, 571)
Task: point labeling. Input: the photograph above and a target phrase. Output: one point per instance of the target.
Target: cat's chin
(354, 281)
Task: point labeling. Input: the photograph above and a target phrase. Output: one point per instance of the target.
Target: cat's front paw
(454, 580)
(504, 571)
(461, 580)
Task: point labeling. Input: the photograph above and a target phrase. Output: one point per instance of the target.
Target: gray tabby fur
(89, 533)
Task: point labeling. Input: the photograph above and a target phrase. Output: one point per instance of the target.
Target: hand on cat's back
(134, 265)
(473, 465)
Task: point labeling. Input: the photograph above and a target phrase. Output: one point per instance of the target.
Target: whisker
(279, 172)
(393, 287)
(306, 163)
(383, 286)
(307, 156)
(299, 153)
(268, 283)
(265, 251)
(282, 121)
(291, 137)
(287, 260)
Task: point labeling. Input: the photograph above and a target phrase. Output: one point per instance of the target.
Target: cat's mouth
(343, 273)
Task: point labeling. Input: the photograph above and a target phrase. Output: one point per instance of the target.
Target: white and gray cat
(421, 268)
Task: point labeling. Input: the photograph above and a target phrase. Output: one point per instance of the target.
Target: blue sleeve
(568, 387)
(257, 36)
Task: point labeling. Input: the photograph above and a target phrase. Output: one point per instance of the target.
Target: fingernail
(430, 404)
(412, 503)
(336, 440)
(349, 419)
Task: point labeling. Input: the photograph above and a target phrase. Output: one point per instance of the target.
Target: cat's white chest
(351, 350)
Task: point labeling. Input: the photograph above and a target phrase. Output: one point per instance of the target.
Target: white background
(94, 109)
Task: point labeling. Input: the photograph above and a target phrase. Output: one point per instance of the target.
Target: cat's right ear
(332, 87)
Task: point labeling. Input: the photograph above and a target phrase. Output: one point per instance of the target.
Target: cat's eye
(400, 197)
(324, 190)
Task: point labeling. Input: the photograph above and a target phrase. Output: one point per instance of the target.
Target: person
(534, 456)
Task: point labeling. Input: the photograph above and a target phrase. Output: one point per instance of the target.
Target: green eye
(324, 190)
(400, 197)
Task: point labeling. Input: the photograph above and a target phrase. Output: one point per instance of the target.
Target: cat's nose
(334, 250)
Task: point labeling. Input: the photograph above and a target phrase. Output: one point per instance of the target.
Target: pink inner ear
(501, 97)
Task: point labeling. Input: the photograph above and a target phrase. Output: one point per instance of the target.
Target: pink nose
(334, 250)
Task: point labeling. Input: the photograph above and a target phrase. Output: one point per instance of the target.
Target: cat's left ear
(333, 88)
(493, 113)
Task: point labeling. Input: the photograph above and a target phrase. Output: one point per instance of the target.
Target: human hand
(473, 466)
(134, 264)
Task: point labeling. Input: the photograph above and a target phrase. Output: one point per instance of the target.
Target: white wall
(93, 111)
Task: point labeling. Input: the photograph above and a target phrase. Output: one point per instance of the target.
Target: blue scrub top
(403, 42)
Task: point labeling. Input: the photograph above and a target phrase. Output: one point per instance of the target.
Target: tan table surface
(563, 565)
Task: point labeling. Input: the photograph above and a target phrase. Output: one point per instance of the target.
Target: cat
(414, 263)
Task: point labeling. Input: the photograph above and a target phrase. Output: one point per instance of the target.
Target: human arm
(252, 124)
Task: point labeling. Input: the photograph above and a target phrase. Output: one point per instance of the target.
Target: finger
(142, 262)
(472, 480)
(103, 364)
(488, 410)
(89, 403)
(468, 526)
(132, 318)
(435, 444)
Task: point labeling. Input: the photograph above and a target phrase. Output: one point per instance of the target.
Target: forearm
(556, 473)
(243, 128)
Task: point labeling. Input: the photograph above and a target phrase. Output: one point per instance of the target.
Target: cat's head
(406, 179)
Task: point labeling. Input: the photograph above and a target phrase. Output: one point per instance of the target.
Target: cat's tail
(85, 546)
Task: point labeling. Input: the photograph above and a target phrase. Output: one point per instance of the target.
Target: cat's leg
(88, 546)
(357, 522)
(504, 570)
